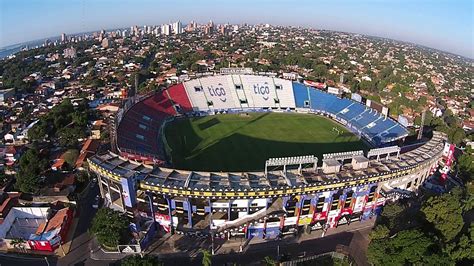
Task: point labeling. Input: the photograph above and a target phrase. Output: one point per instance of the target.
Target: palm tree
(206, 257)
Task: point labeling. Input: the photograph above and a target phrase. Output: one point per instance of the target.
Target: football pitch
(243, 142)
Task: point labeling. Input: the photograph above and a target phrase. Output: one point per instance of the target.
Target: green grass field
(236, 142)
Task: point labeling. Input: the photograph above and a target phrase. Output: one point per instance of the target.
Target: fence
(333, 254)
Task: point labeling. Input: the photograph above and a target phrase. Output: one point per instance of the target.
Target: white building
(177, 27)
(6, 94)
(166, 29)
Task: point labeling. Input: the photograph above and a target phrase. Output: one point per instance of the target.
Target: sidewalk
(178, 246)
(178, 243)
(63, 250)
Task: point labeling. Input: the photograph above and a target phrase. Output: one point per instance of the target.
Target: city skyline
(387, 19)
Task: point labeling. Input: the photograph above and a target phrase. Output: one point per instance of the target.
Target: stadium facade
(287, 196)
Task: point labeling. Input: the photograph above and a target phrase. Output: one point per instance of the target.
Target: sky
(442, 24)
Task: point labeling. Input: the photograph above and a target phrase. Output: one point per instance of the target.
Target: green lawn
(235, 142)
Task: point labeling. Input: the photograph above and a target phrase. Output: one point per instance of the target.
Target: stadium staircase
(275, 207)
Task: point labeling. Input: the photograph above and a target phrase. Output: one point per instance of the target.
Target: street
(79, 254)
(80, 251)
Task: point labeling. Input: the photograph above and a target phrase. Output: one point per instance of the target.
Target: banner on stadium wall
(367, 213)
(290, 220)
(380, 201)
(129, 193)
(385, 110)
(403, 120)
(272, 232)
(164, 220)
(343, 219)
(359, 204)
(318, 225)
(255, 232)
(320, 216)
(346, 211)
(305, 219)
(356, 97)
(448, 154)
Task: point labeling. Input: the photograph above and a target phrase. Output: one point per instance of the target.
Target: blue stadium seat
(300, 92)
(374, 126)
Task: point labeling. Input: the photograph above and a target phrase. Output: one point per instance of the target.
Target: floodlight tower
(420, 132)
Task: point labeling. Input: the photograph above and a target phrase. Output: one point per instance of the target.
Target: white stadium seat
(218, 91)
(196, 95)
(260, 91)
(284, 91)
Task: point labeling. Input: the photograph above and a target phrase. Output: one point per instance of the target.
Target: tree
(68, 136)
(110, 227)
(456, 134)
(463, 249)
(320, 70)
(407, 247)
(445, 213)
(31, 166)
(82, 176)
(137, 260)
(206, 257)
(269, 261)
(391, 213)
(379, 232)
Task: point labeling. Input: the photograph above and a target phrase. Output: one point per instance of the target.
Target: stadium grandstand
(139, 130)
(292, 194)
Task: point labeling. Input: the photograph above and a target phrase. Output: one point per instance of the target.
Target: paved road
(257, 252)
(79, 254)
(26, 261)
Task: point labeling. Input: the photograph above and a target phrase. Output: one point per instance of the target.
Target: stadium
(243, 155)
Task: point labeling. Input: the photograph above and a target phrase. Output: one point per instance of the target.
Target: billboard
(236, 70)
(333, 90)
(356, 97)
(129, 193)
(368, 102)
(403, 120)
(377, 106)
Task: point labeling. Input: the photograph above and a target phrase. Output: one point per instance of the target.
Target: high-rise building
(177, 27)
(191, 26)
(105, 43)
(63, 37)
(223, 29)
(69, 52)
(166, 29)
